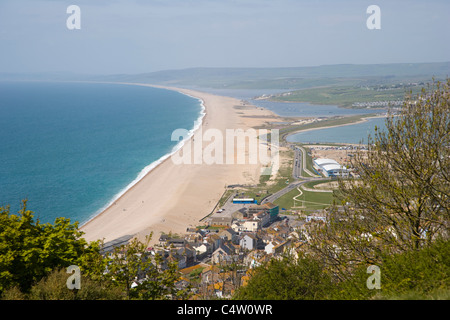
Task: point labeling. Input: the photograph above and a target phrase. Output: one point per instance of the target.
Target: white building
(330, 167)
(246, 225)
(252, 225)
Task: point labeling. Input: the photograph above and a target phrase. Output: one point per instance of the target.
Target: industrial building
(330, 167)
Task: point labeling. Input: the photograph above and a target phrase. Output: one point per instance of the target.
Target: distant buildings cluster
(216, 260)
(249, 219)
(379, 104)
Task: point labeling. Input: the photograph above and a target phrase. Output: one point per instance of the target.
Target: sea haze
(71, 148)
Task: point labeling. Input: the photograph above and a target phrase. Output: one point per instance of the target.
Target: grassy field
(344, 96)
(308, 201)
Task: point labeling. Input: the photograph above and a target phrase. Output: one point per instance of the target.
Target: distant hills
(268, 78)
(290, 78)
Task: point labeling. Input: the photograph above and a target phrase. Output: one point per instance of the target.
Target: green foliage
(400, 200)
(415, 274)
(142, 275)
(395, 215)
(34, 258)
(30, 250)
(343, 95)
(53, 287)
(288, 279)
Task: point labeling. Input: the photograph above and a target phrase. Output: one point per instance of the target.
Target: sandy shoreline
(173, 197)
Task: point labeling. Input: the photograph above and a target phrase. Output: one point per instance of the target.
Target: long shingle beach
(173, 197)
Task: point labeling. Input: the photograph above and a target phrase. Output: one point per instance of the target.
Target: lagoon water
(71, 148)
(303, 109)
(353, 133)
(346, 134)
(288, 109)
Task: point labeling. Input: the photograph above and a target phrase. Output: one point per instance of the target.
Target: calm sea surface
(354, 133)
(71, 148)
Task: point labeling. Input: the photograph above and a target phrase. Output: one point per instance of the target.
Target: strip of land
(173, 197)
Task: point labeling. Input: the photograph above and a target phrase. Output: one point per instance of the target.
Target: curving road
(298, 167)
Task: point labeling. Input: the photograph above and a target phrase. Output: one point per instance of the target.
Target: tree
(288, 279)
(141, 274)
(415, 274)
(400, 201)
(53, 287)
(30, 250)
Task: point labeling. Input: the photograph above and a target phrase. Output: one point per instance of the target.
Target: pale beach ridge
(172, 197)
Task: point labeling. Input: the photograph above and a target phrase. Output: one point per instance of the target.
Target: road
(298, 167)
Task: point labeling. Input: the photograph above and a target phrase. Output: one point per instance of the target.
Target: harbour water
(353, 133)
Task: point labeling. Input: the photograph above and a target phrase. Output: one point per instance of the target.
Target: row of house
(226, 246)
(249, 219)
(224, 258)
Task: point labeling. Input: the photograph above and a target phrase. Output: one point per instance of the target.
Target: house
(214, 240)
(262, 216)
(190, 254)
(240, 214)
(224, 254)
(163, 239)
(176, 242)
(271, 209)
(229, 234)
(269, 247)
(316, 217)
(182, 283)
(248, 242)
(193, 237)
(220, 221)
(251, 225)
(237, 226)
(210, 274)
(202, 249)
(184, 256)
(275, 247)
(253, 259)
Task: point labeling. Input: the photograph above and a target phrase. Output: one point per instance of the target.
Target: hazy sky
(136, 36)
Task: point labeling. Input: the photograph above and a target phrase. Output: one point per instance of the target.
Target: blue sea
(72, 148)
(353, 133)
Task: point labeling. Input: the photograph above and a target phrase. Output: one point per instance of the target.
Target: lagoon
(352, 133)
